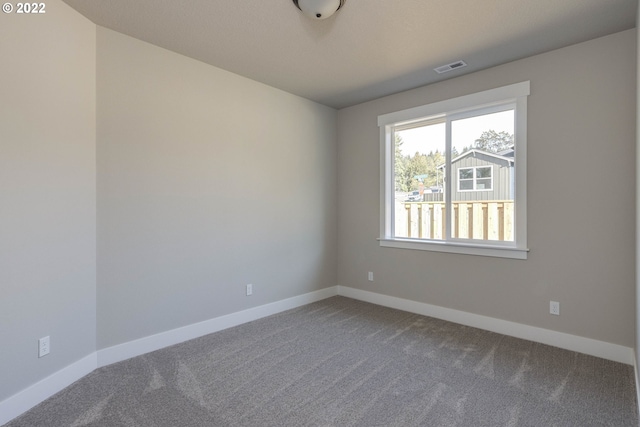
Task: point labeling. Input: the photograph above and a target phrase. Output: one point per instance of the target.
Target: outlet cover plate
(43, 346)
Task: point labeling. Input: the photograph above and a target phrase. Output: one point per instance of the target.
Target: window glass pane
(483, 172)
(466, 173)
(484, 144)
(466, 184)
(419, 165)
(483, 184)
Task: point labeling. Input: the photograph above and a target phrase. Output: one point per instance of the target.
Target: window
(479, 178)
(478, 140)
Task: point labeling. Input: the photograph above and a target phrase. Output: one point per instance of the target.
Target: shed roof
(475, 151)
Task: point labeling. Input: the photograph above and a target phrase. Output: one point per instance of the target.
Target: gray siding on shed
(501, 171)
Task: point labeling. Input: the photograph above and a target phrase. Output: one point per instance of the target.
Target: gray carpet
(341, 362)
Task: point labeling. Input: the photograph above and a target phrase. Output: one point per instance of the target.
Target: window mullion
(475, 179)
(389, 179)
(448, 182)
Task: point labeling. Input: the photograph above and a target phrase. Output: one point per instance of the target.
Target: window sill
(456, 248)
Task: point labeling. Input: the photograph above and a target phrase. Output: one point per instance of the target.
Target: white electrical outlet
(371, 276)
(43, 346)
(554, 308)
(249, 289)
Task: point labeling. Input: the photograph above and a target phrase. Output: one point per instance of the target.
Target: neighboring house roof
(508, 155)
(509, 152)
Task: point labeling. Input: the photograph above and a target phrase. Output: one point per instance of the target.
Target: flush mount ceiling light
(319, 9)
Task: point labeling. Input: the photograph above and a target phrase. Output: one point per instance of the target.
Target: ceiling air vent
(450, 67)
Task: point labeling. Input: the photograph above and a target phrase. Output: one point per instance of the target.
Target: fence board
(493, 221)
(508, 221)
(463, 221)
(478, 221)
(437, 221)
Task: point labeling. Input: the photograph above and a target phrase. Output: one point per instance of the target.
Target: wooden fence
(482, 220)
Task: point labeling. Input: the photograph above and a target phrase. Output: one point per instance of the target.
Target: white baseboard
(21, 402)
(151, 343)
(589, 346)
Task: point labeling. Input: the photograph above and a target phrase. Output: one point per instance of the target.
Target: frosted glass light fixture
(319, 9)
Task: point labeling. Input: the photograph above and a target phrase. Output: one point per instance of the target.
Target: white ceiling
(369, 48)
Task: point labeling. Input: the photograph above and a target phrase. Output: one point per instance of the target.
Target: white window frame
(474, 179)
(507, 97)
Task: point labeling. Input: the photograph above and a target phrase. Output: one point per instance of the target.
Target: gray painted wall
(47, 193)
(582, 106)
(207, 181)
(637, 200)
